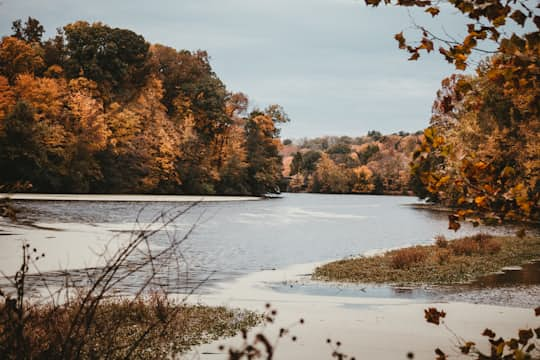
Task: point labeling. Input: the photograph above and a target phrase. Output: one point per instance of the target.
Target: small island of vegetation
(446, 262)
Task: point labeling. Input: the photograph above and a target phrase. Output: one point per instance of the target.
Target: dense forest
(370, 164)
(98, 109)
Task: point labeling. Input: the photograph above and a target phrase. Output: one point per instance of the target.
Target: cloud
(333, 64)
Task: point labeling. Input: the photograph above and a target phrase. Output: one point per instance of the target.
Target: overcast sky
(332, 64)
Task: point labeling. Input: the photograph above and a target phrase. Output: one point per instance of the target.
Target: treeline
(370, 164)
(481, 153)
(98, 109)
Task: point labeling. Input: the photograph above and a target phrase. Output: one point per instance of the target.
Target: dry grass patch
(478, 244)
(405, 258)
(149, 328)
(447, 262)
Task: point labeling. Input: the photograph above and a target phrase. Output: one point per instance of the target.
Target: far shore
(132, 198)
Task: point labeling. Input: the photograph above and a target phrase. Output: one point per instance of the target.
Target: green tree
(117, 59)
(22, 156)
(378, 184)
(31, 32)
(296, 163)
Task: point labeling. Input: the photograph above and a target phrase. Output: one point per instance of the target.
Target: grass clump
(446, 262)
(148, 328)
(478, 244)
(404, 258)
(441, 241)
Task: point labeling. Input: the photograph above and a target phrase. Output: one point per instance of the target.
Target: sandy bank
(65, 245)
(368, 328)
(137, 198)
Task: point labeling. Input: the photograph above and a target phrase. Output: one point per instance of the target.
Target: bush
(443, 256)
(441, 241)
(404, 258)
(476, 244)
(466, 246)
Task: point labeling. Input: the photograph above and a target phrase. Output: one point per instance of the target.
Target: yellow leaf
(401, 40)
(480, 165)
(443, 180)
(480, 200)
(508, 171)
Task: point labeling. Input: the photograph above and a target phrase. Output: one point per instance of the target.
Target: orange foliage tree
(98, 109)
(480, 154)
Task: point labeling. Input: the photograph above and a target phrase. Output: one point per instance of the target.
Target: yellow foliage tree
(18, 57)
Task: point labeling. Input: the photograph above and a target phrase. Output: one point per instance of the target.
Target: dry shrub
(521, 233)
(492, 247)
(466, 246)
(441, 242)
(476, 244)
(403, 258)
(148, 328)
(443, 256)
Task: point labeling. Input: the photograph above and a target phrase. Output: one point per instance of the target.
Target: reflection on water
(352, 290)
(518, 286)
(528, 274)
(236, 238)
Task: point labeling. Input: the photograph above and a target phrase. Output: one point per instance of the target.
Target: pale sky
(332, 64)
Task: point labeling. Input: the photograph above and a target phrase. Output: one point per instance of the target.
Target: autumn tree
(231, 148)
(330, 177)
(7, 99)
(362, 181)
(97, 109)
(191, 87)
(479, 153)
(488, 22)
(18, 57)
(483, 159)
(263, 145)
(86, 121)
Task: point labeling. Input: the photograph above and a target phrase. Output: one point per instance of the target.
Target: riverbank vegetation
(97, 109)
(94, 315)
(446, 262)
(370, 164)
(151, 328)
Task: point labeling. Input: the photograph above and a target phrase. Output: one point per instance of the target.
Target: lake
(228, 239)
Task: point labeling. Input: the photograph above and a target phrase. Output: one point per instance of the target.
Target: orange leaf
(434, 11)
(427, 44)
(401, 40)
(414, 56)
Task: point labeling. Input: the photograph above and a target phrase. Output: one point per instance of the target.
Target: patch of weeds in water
(458, 261)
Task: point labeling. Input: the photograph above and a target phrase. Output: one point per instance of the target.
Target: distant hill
(370, 164)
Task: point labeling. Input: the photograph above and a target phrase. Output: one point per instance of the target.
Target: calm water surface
(235, 238)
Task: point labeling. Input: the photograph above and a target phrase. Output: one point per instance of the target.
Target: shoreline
(452, 262)
(127, 198)
(368, 327)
